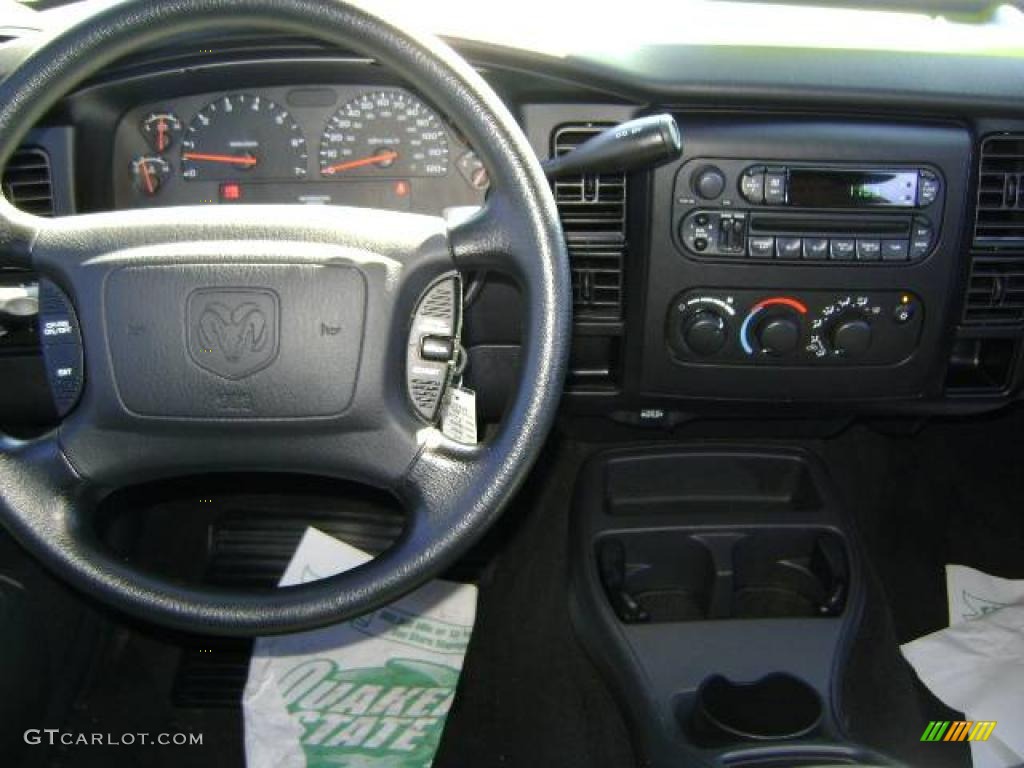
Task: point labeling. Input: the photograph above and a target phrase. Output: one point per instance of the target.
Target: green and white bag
(373, 692)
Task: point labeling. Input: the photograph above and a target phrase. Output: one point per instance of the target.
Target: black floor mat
(951, 493)
(528, 695)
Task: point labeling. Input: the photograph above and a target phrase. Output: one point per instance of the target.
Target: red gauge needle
(161, 135)
(147, 177)
(383, 157)
(247, 160)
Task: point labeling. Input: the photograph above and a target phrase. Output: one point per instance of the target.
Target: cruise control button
(761, 247)
(815, 247)
(775, 187)
(57, 329)
(869, 250)
(842, 249)
(752, 187)
(61, 346)
(895, 250)
(788, 247)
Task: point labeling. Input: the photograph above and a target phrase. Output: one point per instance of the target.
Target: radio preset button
(761, 247)
(788, 247)
(869, 250)
(843, 248)
(752, 186)
(927, 188)
(775, 187)
(919, 247)
(816, 248)
(895, 250)
(921, 239)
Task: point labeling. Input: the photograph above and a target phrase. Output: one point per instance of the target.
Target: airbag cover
(235, 341)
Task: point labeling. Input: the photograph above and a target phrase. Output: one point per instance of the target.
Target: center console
(803, 259)
(719, 590)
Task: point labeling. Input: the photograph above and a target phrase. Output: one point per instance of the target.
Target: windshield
(568, 27)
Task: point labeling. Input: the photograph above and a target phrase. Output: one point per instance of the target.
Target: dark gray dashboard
(778, 107)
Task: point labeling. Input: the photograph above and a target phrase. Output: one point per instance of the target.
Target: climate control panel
(752, 327)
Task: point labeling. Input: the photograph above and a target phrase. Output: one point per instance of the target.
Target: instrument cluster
(371, 146)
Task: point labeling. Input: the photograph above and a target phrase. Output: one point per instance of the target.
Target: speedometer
(242, 134)
(384, 134)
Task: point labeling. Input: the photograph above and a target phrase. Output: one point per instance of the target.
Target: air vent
(995, 290)
(593, 213)
(26, 181)
(1000, 215)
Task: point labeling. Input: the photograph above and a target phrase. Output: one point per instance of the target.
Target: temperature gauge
(149, 174)
(161, 129)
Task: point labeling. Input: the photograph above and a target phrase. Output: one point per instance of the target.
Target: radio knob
(851, 336)
(704, 332)
(779, 335)
(708, 183)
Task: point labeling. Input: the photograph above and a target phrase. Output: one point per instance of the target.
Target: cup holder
(656, 577)
(678, 575)
(789, 574)
(778, 707)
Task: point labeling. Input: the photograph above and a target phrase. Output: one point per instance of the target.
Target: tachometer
(387, 133)
(242, 134)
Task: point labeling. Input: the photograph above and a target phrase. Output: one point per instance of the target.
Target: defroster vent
(592, 208)
(27, 182)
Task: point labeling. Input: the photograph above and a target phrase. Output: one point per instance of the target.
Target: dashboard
(810, 253)
(358, 145)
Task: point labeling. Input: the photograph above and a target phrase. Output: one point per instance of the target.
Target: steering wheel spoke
(43, 498)
(17, 234)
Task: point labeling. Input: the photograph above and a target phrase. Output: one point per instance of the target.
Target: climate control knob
(704, 332)
(778, 336)
(774, 326)
(851, 336)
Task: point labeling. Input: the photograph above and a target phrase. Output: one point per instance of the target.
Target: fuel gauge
(161, 129)
(149, 174)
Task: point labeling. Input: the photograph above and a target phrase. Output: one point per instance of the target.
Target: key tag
(458, 420)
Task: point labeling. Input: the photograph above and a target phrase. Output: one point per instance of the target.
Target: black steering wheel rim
(456, 492)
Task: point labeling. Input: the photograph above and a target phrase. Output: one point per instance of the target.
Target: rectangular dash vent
(592, 208)
(1000, 214)
(27, 183)
(995, 290)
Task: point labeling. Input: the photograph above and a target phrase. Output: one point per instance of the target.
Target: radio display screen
(828, 188)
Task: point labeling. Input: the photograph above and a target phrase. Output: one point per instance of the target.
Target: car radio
(726, 209)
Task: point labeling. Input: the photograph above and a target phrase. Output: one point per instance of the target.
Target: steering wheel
(273, 338)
